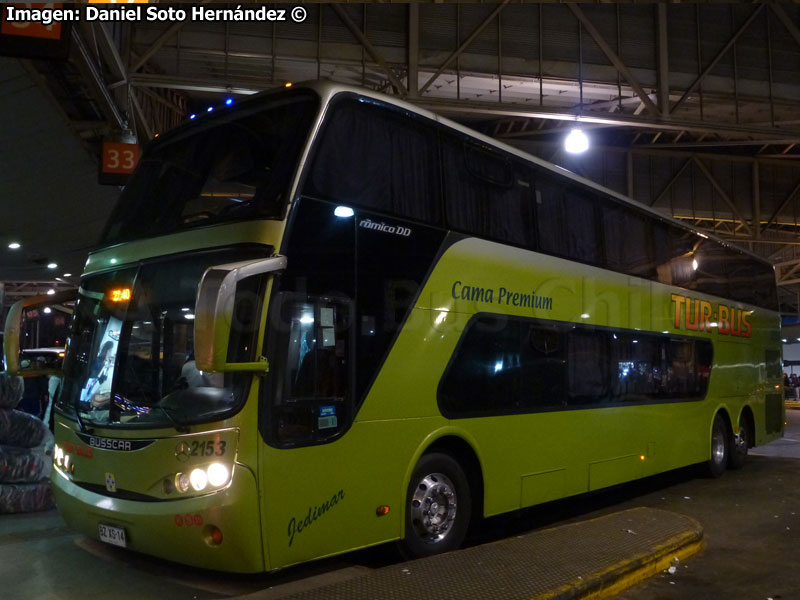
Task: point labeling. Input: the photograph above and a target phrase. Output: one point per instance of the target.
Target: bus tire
(739, 444)
(438, 507)
(720, 446)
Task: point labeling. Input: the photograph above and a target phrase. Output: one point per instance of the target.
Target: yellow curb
(632, 571)
(644, 572)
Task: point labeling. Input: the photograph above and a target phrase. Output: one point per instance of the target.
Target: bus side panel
(589, 448)
(323, 500)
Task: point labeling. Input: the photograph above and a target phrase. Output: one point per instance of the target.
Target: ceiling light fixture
(576, 142)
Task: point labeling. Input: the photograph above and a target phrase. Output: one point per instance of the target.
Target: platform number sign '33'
(117, 162)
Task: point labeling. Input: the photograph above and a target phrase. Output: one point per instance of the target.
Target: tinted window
(566, 221)
(234, 167)
(711, 275)
(486, 193)
(586, 361)
(673, 253)
(507, 365)
(690, 260)
(750, 281)
(312, 367)
(627, 237)
(377, 158)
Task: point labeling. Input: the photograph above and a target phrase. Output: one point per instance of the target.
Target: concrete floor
(751, 520)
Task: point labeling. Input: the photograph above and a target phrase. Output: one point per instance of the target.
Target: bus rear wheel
(740, 444)
(438, 507)
(720, 436)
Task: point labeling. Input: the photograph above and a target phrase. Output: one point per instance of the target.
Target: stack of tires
(25, 453)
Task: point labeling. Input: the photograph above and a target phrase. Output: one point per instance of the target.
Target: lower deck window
(507, 365)
(312, 370)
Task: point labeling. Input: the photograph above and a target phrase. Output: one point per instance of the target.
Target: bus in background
(326, 319)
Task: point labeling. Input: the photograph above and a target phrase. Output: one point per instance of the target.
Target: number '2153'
(208, 448)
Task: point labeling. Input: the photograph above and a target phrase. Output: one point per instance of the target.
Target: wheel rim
(718, 445)
(433, 508)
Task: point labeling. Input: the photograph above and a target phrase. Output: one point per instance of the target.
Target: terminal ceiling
(692, 108)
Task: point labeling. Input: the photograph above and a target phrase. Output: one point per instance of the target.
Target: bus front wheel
(720, 436)
(438, 507)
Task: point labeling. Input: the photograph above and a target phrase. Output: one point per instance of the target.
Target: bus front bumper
(180, 530)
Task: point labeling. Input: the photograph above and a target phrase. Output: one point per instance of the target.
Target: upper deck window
(486, 193)
(230, 168)
(378, 159)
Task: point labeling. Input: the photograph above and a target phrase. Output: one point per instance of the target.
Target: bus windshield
(233, 167)
(130, 359)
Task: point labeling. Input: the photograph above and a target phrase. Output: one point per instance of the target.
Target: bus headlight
(198, 479)
(217, 474)
(182, 482)
(58, 454)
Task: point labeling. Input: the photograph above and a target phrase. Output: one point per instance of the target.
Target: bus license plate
(112, 535)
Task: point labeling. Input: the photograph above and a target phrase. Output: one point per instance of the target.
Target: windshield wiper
(77, 406)
(78, 418)
(179, 427)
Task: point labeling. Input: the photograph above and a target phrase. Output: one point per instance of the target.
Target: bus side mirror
(214, 313)
(28, 311)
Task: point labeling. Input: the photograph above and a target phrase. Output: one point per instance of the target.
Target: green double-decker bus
(325, 319)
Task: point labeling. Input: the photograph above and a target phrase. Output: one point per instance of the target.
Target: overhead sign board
(118, 160)
(33, 39)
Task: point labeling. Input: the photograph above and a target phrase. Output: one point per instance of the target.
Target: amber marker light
(288, 84)
(119, 295)
(641, 457)
(382, 510)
